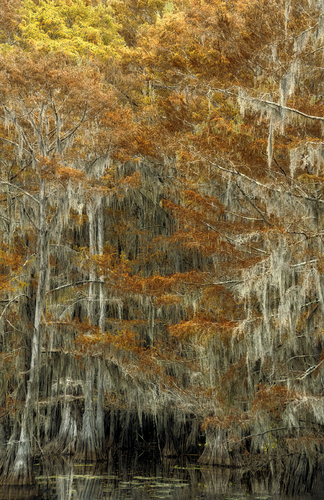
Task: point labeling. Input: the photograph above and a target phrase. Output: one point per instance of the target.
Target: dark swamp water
(173, 479)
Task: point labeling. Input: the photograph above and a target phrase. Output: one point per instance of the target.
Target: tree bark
(22, 470)
(100, 428)
(86, 447)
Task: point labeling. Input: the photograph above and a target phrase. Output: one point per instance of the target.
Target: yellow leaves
(71, 27)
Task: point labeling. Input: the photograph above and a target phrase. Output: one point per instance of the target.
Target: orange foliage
(272, 399)
(91, 337)
(236, 418)
(11, 260)
(203, 329)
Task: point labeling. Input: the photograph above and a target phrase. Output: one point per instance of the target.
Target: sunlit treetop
(74, 27)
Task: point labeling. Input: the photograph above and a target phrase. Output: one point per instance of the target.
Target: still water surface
(170, 479)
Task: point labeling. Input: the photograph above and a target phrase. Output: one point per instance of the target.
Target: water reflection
(172, 479)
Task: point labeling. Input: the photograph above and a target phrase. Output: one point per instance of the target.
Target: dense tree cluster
(161, 211)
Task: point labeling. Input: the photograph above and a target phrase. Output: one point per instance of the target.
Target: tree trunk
(86, 448)
(216, 449)
(100, 429)
(22, 470)
(66, 441)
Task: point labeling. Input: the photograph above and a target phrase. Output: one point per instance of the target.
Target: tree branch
(11, 301)
(77, 283)
(19, 189)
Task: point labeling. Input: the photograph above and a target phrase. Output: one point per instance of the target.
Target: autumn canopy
(161, 211)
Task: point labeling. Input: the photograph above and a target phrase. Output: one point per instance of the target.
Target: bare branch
(19, 189)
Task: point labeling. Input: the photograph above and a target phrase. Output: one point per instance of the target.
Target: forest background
(161, 211)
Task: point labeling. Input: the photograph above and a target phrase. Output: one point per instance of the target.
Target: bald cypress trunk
(100, 428)
(22, 469)
(66, 441)
(86, 447)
